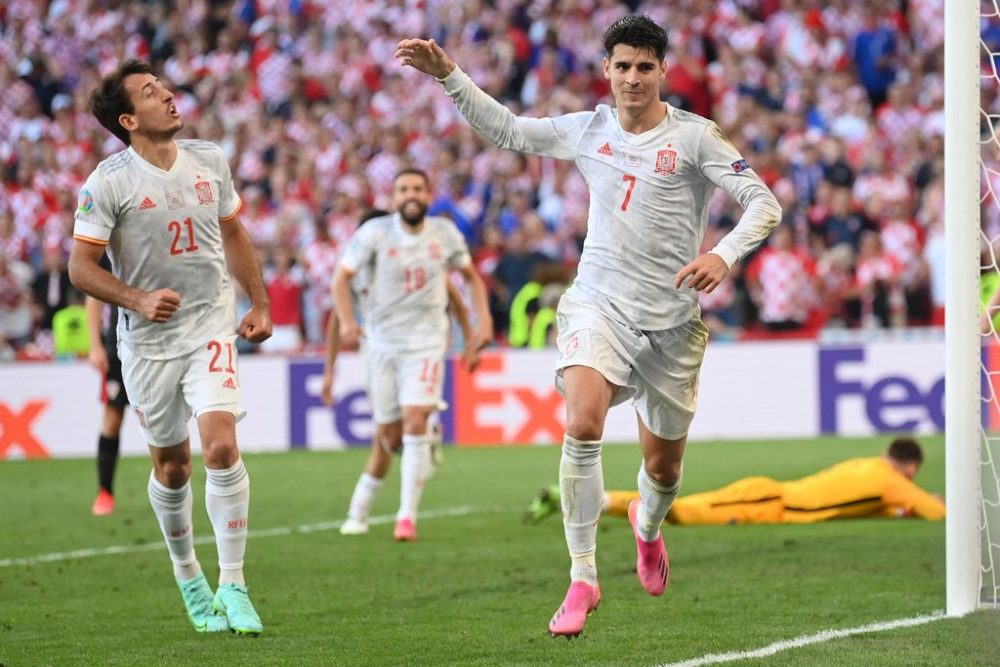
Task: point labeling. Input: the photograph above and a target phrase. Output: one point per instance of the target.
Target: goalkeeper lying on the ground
(880, 486)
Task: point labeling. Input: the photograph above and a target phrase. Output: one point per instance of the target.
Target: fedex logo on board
(891, 403)
(350, 417)
(504, 402)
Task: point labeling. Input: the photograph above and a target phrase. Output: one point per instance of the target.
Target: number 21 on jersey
(183, 236)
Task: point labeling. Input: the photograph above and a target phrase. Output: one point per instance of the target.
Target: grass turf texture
(479, 588)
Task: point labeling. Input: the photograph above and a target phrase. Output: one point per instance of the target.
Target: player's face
(411, 197)
(154, 112)
(910, 469)
(635, 76)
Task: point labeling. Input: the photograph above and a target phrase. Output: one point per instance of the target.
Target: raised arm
(553, 137)
(243, 262)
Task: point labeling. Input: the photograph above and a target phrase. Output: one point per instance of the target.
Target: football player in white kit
(388, 438)
(166, 212)
(629, 326)
(406, 326)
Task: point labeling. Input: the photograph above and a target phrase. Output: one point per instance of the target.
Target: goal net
(989, 296)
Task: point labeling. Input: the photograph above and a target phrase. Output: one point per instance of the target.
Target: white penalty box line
(806, 640)
(209, 539)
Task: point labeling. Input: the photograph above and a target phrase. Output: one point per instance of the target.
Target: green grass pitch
(478, 588)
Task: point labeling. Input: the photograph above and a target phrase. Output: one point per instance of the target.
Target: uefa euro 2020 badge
(86, 203)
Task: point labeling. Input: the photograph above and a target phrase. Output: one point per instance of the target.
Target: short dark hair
(638, 31)
(906, 450)
(412, 171)
(370, 214)
(110, 99)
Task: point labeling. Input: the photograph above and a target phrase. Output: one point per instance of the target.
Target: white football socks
(227, 498)
(655, 502)
(364, 495)
(414, 471)
(581, 486)
(173, 509)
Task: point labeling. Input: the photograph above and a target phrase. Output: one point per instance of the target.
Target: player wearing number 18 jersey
(629, 326)
(406, 327)
(166, 212)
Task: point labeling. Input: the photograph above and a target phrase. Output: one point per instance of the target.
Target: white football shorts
(165, 393)
(658, 370)
(397, 379)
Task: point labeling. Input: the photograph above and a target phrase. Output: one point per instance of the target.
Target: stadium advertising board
(747, 390)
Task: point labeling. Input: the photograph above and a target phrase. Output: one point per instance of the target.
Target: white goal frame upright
(962, 341)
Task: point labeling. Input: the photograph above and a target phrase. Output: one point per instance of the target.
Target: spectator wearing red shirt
(782, 282)
(284, 282)
(877, 280)
(319, 261)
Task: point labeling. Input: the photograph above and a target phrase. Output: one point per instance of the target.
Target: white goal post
(971, 578)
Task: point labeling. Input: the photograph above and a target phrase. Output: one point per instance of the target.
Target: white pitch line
(266, 532)
(806, 640)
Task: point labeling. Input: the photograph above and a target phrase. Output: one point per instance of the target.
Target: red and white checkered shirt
(786, 286)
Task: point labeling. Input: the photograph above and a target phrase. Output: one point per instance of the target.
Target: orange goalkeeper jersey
(857, 487)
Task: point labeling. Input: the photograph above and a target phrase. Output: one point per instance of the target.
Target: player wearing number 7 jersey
(629, 326)
(166, 212)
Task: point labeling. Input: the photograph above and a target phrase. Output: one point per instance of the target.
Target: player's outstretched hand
(705, 272)
(426, 56)
(350, 333)
(160, 305)
(98, 358)
(256, 325)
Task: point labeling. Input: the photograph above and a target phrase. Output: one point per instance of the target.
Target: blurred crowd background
(837, 104)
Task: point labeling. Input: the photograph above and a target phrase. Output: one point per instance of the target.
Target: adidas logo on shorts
(229, 384)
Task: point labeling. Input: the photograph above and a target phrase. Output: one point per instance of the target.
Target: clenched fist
(160, 305)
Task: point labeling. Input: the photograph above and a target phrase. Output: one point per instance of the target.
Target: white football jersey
(649, 197)
(407, 292)
(162, 230)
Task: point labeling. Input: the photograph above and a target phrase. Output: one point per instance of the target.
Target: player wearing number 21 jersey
(629, 327)
(166, 213)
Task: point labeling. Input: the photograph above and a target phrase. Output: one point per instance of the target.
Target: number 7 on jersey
(630, 179)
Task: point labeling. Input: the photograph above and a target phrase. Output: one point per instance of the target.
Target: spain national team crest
(434, 250)
(666, 161)
(204, 191)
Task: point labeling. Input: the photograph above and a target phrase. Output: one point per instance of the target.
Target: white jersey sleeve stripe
(89, 230)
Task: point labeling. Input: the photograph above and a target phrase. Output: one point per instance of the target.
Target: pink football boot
(581, 601)
(405, 531)
(652, 563)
